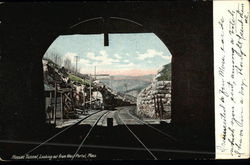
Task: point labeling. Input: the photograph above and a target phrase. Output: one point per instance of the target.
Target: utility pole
(84, 94)
(90, 95)
(84, 105)
(95, 72)
(55, 102)
(91, 86)
(61, 108)
(96, 89)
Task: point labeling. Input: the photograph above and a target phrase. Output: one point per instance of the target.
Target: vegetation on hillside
(51, 63)
(165, 73)
(78, 80)
(71, 76)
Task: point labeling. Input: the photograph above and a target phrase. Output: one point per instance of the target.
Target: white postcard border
(231, 76)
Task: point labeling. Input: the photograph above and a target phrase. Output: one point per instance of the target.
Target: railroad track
(87, 135)
(66, 130)
(137, 138)
(122, 140)
(147, 145)
(156, 129)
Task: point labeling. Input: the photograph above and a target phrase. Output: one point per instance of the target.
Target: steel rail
(81, 145)
(59, 133)
(138, 138)
(161, 132)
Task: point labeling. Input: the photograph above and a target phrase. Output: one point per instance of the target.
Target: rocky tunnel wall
(155, 101)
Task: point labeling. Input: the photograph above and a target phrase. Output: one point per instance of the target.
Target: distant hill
(143, 78)
(165, 73)
(134, 84)
(129, 84)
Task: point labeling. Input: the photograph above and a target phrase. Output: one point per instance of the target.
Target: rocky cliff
(154, 101)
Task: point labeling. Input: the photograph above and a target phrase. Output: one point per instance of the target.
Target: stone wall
(154, 98)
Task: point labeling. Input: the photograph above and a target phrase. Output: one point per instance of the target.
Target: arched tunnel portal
(28, 29)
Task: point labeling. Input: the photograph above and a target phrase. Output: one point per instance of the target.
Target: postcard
(128, 80)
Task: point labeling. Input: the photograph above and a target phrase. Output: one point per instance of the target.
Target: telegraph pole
(55, 103)
(90, 95)
(97, 87)
(95, 72)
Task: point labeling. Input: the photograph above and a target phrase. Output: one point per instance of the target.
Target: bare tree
(55, 58)
(126, 86)
(59, 61)
(52, 56)
(72, 68)
(46, 55)
(67, 63)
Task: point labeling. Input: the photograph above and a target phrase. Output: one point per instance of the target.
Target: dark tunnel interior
(28, 29)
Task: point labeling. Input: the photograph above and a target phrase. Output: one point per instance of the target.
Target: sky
(132, 54)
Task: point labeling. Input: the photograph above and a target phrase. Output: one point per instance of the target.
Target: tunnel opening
(82, 74)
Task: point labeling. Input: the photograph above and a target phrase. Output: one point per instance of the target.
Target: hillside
(79, 84)
(154, 101)
(165, 73)
(126, 84)
(142, 78)
(131, 85)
